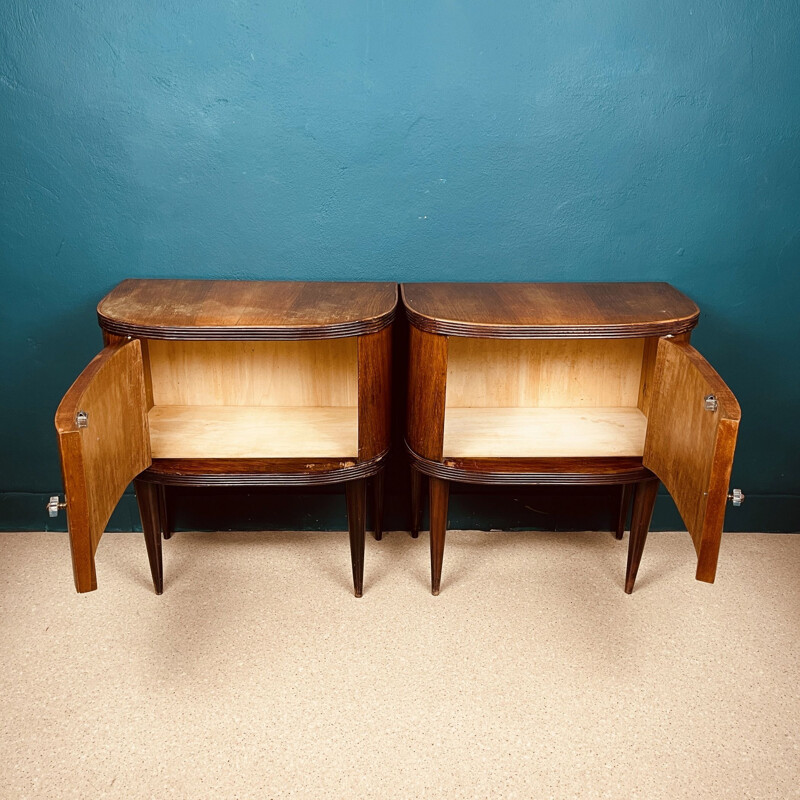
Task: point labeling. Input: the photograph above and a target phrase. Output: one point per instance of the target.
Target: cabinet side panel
(543, 373)
(374, 393)
(427, 387)
(304, 373)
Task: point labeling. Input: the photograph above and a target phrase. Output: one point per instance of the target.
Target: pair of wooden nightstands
(229, 383)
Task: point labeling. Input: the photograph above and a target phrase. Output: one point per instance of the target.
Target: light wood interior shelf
(253, 431)
(543, 432)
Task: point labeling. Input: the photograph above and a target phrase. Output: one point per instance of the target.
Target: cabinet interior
(252, 399)
(547, 397)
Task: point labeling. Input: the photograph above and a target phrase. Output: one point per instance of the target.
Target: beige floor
(533, 675)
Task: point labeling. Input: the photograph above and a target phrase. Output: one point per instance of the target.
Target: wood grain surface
(253, 432)
(549, 310)
(427, 384)
(374, 393)
(439, 495)
(246, 310)
(543, 372)
(99, 461)
(543, 432)
(691, 449)
(148, 498)
(260, 471)
(643, 505)
(313, 373)
(533, 471)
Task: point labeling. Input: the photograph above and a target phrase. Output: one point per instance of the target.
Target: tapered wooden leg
(624, 503)
(377, 504)
(147, 496)
(80, 544)
(356, 522)
(643, 502)
(440, 491)
(417, 497)
(164, 512)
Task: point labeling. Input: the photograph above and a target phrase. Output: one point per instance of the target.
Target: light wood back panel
(547, 373)
(305, 373)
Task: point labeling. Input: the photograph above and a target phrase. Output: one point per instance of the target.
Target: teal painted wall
(446, 139)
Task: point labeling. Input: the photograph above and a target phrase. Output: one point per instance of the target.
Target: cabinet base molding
(534, 471)
(233, 472)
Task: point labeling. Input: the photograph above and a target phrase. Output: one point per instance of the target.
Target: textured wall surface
(446, 139)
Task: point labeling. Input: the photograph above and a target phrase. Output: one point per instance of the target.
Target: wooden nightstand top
(246, 310)
(549, 310)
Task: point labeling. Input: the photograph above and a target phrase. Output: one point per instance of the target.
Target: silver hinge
(710, 402)
(736, 497)
(53, 506)
(82, 419)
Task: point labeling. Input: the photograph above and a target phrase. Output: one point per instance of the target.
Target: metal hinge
(82, 419)
(736, 497)
(711, 403)
(53, 506)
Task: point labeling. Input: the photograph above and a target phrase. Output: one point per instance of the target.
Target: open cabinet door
(104, 442)
(691, 436)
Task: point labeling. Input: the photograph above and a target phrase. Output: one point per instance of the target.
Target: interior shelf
(253, 432)
(544, 432)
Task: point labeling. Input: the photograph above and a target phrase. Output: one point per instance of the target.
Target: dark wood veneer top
(244, 310)
(549, 310)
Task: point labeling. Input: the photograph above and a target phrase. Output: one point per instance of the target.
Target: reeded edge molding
(451, 472)
(171, 474)
(248, 334)
(635, 330)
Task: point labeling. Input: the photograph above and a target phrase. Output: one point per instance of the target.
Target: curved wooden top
(246, 310)
(549, 310)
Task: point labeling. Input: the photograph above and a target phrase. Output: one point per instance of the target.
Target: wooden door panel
(691, 448)
(99, 460)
